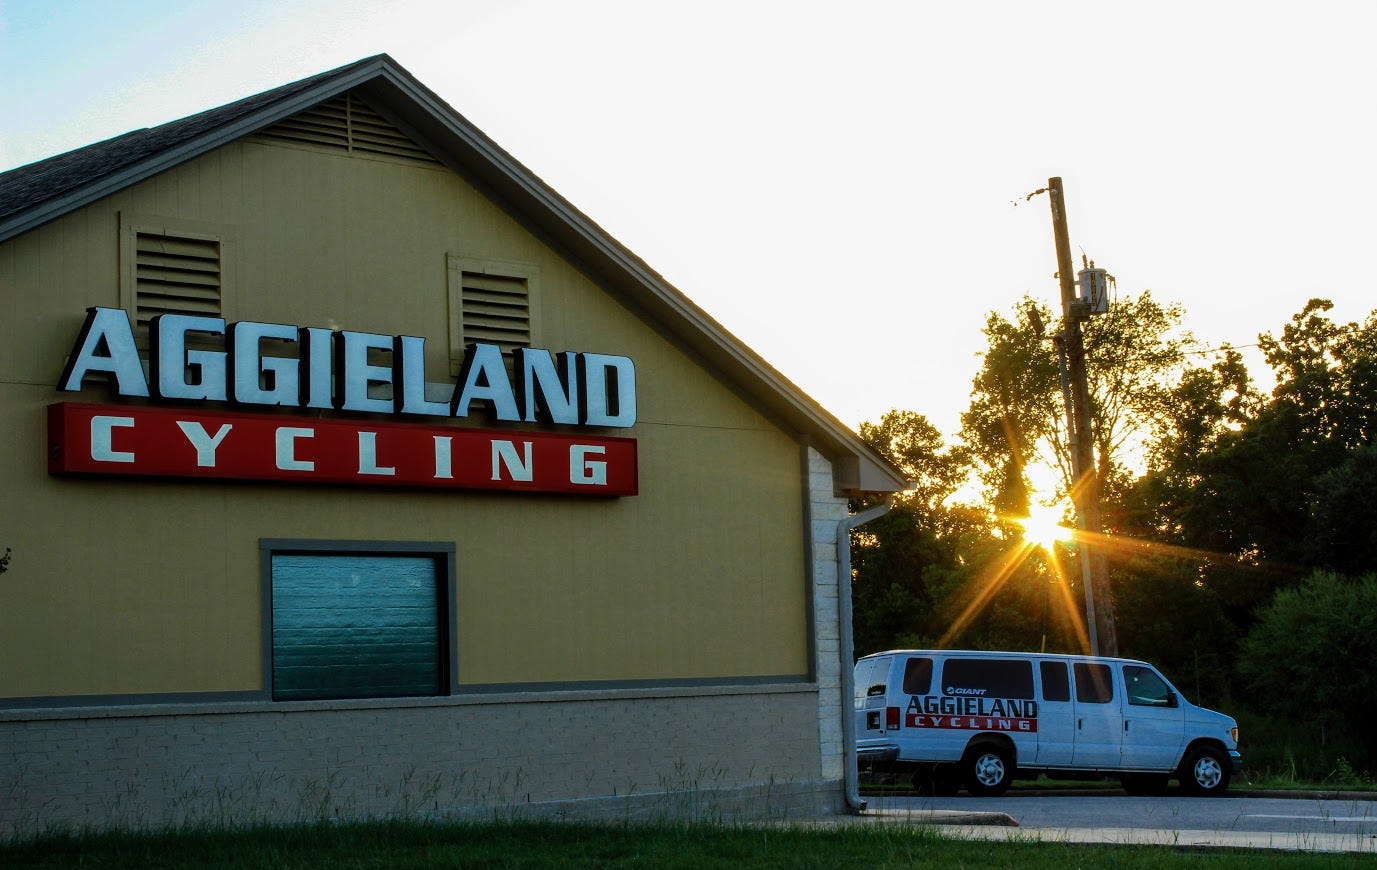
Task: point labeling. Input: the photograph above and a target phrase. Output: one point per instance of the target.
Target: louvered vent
(497, 310)
(175, 275)
(347, 123)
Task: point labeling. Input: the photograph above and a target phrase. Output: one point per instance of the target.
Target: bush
(1309, 657)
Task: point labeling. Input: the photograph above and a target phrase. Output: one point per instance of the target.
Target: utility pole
(1085, 490)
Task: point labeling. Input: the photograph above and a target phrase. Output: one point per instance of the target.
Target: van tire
(1205, 772)
(988, 770)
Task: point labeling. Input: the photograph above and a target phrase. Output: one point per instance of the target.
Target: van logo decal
(972, 713)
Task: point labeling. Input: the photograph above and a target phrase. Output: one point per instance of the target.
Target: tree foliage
(1264, 484)
(1238, 520)
(1014, 416)
(1017, 414)
(912, 443)
(898, 556)
(1310, 654)
(917, 569)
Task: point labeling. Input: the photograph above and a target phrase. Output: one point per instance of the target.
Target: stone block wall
(713, 752)
(826, 511)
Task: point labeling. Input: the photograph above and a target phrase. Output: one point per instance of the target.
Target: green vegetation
(1242, 526)
(397, 844)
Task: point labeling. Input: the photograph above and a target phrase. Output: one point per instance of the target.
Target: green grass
(409, 844)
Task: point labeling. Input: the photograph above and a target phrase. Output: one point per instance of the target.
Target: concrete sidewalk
(1287, 842)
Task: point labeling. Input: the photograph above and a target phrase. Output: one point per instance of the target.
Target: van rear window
(862, 680)
(917, 676)
(989, 678)
(872, 676)
(878, 681)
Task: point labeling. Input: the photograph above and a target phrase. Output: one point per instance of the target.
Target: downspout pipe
(845, 644)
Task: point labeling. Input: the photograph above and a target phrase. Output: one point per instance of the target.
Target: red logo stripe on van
(972, 723)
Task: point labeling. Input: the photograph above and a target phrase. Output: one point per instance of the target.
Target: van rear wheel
(1205, 772)
(989, 770)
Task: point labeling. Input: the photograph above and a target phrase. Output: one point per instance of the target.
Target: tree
(900, 556)
(912, 443)
(1326, 376)
(1181, 497)
(1017, 414)
(1344, 534)
(1310, 654)
(1254, 482)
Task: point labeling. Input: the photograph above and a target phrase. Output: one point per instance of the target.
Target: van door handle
(1080, 723)
(1125, 724)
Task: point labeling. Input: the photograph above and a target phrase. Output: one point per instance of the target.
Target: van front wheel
(1205, 772)
(989, 770)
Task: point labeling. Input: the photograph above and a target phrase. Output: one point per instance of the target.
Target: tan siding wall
(121, 587)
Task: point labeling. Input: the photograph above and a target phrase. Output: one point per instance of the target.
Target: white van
(979, 719)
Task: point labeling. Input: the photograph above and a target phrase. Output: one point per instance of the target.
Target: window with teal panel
(352, 625)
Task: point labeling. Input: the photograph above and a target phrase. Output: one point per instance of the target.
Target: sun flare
(1043, 527)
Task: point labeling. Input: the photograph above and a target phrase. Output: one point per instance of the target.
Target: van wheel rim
(989, 770)
(1208, 773)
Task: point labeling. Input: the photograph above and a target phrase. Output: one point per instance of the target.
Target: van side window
(917, 676)
(1093, 683)
(988, 678)
(1145, 688)
(1056, 685)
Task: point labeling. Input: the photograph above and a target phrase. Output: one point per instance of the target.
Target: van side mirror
(1171, 698)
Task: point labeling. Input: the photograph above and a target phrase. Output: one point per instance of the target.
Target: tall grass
(1282, 753)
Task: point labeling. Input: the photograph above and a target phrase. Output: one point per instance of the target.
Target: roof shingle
(34, 184)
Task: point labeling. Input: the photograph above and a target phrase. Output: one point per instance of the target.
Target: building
(353, 471)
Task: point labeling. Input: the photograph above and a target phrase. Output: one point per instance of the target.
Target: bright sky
(832, 181)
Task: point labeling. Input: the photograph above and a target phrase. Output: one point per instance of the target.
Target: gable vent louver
(497, 310)
(176, 275)
(348, 124)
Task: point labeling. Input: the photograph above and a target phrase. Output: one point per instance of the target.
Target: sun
(1043, 527)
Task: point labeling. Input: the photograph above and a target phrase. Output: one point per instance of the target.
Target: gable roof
(33, 195)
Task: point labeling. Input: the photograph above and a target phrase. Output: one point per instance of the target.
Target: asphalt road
(1343, 824)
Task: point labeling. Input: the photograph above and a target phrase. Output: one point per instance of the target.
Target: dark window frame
(1003, 678)
(1167, 700)
(1087, 690)
(443, 552)
(914, 667)
(1061, 682)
